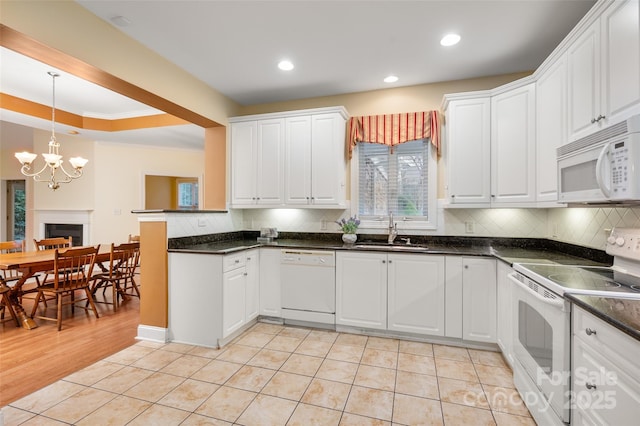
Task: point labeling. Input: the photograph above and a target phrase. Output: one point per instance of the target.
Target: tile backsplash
(582, 226)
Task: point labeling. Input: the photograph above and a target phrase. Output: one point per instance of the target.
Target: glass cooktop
(583, 279)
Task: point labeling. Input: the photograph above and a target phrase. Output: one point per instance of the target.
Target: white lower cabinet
(270, 299)
(361, 289)
(504, 308)
(233, 300)
(400, 292)
(252, 292)
(211, 296)
(605, 373)
(416, 294)
(471, 298)
(479, 299)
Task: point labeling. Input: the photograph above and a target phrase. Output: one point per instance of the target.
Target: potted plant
(349, 228)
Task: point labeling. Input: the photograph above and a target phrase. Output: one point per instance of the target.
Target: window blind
(396, 182)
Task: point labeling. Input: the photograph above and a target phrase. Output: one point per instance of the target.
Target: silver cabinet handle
(390, 261)
(237, 260)
(590, 386)
(384, 261)
(590, 331)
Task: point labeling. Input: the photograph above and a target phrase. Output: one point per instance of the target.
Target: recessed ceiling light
(450, 40)
(285, 65)
(390, 79)
(121, 21)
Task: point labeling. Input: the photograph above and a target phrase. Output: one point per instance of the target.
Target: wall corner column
(154, 288)
(215, 172)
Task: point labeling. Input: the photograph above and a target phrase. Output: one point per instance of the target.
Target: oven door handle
(556, 302)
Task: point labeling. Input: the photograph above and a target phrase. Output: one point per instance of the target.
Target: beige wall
(159, 193)
(423, 97)
(119, 188)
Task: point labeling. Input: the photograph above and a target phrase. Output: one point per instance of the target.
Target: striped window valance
(394, 129)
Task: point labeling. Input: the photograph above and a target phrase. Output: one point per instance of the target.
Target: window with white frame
(402, 182)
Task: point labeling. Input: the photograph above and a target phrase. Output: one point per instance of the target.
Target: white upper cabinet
(620, 40)
(315, 164)
(583, 57)
(551, 129)
(298, 160)
(270, 156)
(257, 174)
(328, 162)
(604, 70)
(467, 150)
(244, 157)
(294, 158)
(513, 146)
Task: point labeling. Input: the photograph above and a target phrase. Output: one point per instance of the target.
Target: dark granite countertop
(623, 314)
(509, 250)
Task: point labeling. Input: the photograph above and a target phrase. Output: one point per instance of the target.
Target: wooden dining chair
(72, 271)
(121, 274)
(53, 243)
(11, 247)
(5, 303)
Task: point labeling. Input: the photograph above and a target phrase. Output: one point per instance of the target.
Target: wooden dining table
(30, 263)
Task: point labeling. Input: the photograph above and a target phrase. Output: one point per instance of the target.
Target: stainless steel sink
(390, 247)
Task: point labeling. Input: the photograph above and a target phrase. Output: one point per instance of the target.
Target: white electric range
(541, 340)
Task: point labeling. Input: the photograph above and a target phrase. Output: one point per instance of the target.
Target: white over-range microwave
(603, 167)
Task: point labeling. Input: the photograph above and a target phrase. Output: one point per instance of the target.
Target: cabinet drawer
(613, 344)
(233, 261)
(601, 389)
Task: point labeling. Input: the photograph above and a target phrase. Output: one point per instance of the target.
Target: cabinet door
(583, 60)
(620, 26)
(244, 138)
(479, 299)
(468, 129)
(361, 289)
(195, 303)
(328, 170)
(270, 170)
(551, 128)
(513, 148)
(252, 273)
(416, 294)
(233, 300)
(504, 310)
(270, 301)
(298, 160)
(607, 394)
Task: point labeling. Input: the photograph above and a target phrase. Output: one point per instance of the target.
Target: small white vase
(349, 238)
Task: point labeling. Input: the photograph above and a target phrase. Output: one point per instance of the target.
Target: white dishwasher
(308, 284)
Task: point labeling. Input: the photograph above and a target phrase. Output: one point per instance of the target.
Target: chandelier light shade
(52, 159)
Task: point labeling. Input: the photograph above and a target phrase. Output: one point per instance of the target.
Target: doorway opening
(16, 209)
(171, 193)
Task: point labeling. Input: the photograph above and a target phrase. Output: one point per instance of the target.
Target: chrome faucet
(393, 229)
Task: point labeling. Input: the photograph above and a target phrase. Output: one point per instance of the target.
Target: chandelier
(52, 159)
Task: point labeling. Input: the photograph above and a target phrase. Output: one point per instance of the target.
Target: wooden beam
(27, 46)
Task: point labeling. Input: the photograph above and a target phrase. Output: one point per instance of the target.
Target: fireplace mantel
(70, 217)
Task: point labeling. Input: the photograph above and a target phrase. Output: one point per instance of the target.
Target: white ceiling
(337, 47)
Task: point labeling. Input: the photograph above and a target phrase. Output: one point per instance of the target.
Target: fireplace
(53, 230)
(64, 223)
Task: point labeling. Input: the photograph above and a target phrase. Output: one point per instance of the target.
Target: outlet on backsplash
(469, 227)
(323, 225)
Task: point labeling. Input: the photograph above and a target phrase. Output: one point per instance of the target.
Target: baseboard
(152, 334)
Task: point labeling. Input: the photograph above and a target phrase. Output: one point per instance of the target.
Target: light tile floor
(278, 375)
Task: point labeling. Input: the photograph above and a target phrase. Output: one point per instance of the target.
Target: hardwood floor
(33, 359)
